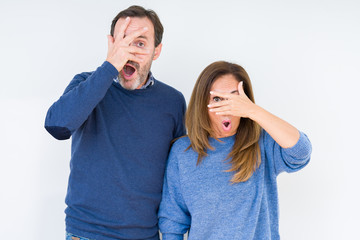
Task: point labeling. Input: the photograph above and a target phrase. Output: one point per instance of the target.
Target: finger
(110, 41)
(219, 104)
(220, 109)
(241, 88)
(136, 50)
(229, 113)
(129, 38)
(122, 29)
(223, 95)
(136, 58)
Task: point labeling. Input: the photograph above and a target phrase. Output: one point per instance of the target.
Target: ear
(157, 51)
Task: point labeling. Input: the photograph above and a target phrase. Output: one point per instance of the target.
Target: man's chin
(130, 84)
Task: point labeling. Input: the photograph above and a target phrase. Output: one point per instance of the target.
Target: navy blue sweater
(120, 143)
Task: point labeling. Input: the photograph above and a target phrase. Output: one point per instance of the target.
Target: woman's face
(224, 125)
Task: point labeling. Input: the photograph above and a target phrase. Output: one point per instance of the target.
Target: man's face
(135, 74)
(224, 125)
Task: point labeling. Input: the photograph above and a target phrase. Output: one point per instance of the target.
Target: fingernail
(127, 18)
(209, 105)
(211, 92)
(145, 28)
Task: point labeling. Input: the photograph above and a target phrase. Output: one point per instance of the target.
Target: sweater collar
(221, 141)
(150, 81)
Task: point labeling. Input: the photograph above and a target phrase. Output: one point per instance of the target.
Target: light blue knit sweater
(202, 199)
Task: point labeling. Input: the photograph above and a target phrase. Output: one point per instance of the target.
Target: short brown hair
(245, 155)
(138, 11)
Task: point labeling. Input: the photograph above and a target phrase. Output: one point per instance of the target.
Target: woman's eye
(216, 99)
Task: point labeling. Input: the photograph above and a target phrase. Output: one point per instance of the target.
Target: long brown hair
(245, 154)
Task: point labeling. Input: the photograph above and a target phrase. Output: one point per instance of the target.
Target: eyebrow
(141, 36)
(232, 92)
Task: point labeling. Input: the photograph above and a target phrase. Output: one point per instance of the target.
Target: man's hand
(120, 50)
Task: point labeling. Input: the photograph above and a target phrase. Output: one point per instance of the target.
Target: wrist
(254, 112)
(107, 65)
(116, 65)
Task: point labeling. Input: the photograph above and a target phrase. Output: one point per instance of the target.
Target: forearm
(281, 131)
(78, 101)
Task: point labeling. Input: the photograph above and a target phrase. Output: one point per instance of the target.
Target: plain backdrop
(302, 57)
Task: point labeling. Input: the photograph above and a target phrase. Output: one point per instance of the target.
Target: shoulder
(181, 144)
(179, 153)
(170, 92)
(168, 88)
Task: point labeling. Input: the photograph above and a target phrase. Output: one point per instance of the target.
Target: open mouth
(128, 71)
(226, 124)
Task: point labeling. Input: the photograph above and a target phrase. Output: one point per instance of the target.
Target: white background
(302, 56)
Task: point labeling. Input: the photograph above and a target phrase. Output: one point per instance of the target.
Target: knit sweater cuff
(110, 68)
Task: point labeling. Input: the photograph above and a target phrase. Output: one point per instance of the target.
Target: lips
(226, 125)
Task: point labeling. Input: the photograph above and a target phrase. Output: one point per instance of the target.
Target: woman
(220, 181)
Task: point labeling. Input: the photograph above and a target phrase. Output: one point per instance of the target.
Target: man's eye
(140, 44)
(216, 99)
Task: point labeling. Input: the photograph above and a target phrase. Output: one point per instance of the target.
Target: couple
(218, 181)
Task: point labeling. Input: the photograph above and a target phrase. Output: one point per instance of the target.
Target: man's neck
(143, 83)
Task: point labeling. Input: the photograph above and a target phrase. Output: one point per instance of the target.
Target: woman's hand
(241, 106)
(234, 104)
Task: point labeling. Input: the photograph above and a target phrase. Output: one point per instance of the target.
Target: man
(122, 121)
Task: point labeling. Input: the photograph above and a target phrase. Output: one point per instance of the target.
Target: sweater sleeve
(288, 159)
(174, 217)
(180, 128)
(78, 101)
